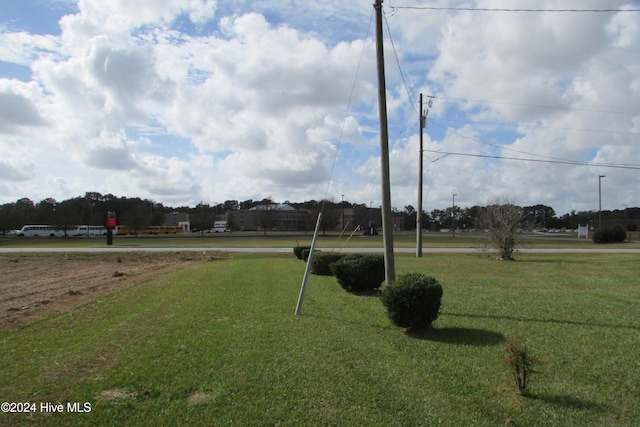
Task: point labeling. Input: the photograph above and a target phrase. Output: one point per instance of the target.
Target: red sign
(111, 222)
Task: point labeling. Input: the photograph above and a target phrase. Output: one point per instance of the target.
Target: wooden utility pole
(387, 220)
(419, 213)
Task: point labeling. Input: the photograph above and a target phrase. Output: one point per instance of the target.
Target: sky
(190, 101)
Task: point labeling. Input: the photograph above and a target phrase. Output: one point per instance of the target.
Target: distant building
(367, 219)
(273, 217)
(177, 219)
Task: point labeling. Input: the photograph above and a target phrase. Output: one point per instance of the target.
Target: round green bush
(599, 236)
(359, 273)
(307, 252)
(618, 234)
(297, 250)
(615, 234)
(321, 264)
(413, 301)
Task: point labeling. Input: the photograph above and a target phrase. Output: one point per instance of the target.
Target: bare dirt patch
(199, 398)
(35, 285)
(115, 395)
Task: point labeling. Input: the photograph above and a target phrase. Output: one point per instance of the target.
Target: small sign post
(111, 225)
(583, 231)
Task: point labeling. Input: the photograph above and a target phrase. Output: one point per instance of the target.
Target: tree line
(93, 209)
(537, 216)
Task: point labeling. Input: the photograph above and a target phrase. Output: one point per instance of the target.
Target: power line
(552, 107)
(542, 159)
(531, 126)
(562, 162)
(346, 115)
(546, 158)
(502, 147)
(473, 9)
(399, 67)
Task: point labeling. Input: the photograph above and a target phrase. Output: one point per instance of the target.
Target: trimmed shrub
(306, 252)
(297, 250)
(413, 301)
(600, 236)
(615, 234)
(321, 264)
(359, 273)
(618, 234)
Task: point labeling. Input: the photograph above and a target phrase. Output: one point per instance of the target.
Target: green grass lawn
(218, 344)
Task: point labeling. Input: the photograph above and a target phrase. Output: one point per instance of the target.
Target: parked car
(219, 230)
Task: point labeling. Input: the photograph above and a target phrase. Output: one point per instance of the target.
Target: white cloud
(111, 158)
(23, 48)
(183, 101)
(17, 109)
(16, 173)
(123, 15)
(126, 79)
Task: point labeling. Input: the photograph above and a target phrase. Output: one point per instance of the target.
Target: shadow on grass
(371, 293)
(571, 402)
(552, 261)
(461, 336)
(529, 319)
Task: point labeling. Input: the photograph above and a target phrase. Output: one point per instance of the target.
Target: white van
(40, 231)
(87, 230)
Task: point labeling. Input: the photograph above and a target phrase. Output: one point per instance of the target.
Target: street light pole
(342, 227)
(600, 200)
(453, 207)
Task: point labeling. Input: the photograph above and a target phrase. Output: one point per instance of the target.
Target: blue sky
(189, 101)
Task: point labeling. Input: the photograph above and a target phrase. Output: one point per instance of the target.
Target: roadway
(425, 250)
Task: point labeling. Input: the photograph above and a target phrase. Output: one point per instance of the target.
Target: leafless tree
(502, 222)
(267, 214)
(137, 218)
(203, 218)
(330, 216)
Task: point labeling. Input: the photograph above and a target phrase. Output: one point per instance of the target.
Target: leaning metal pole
(387, 220)
(303, 287)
